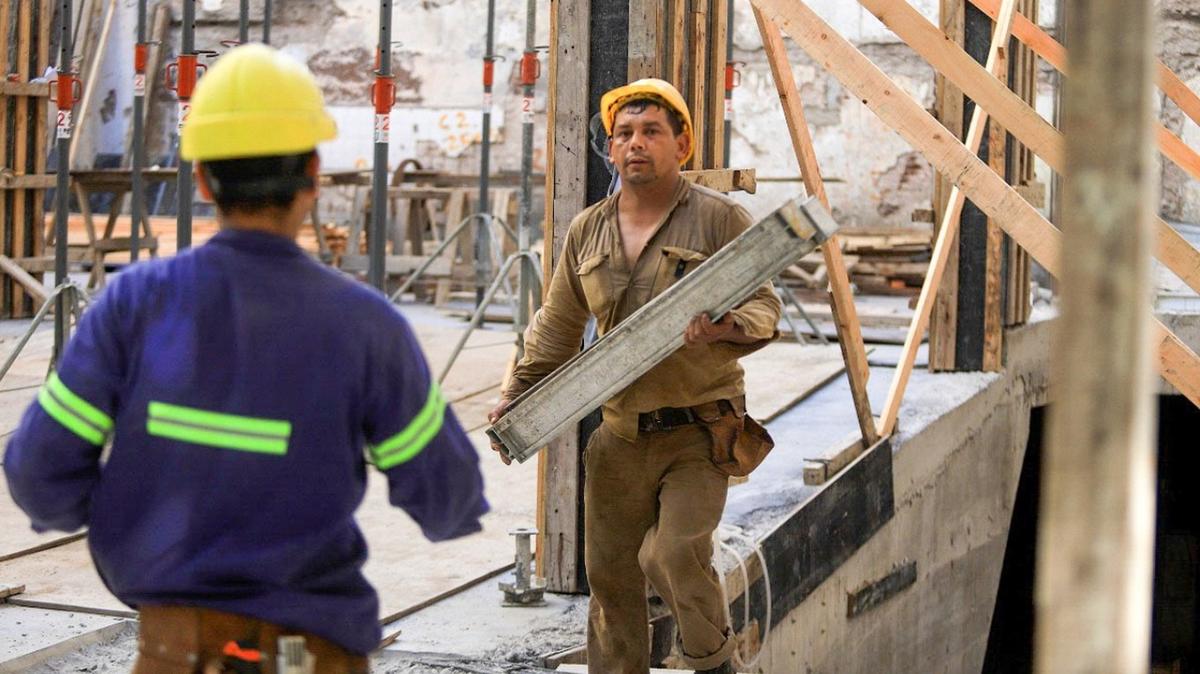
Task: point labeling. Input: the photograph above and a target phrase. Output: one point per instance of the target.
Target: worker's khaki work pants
(190, 640)
(650, 508)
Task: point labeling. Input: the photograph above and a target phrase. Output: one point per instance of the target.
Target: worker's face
(644, 147)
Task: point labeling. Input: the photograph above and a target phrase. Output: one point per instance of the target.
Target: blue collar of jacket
(251, 241)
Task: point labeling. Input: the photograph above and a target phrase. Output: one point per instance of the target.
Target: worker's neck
(650, 196)
(267, 222)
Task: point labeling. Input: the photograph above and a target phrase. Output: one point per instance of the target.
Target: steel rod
(62, 192)
(376, 245)
(183, 193)
(483, 254)
(137, 186)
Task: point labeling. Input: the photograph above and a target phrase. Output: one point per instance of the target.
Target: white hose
(736, 532)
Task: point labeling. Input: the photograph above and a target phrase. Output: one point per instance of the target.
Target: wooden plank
(978, 182)
(9, 181)
(560, 548)
(947, 58)
(997, 139)
(7, 591)
(6, 219)
(22, 219)
(1171, 249)
(679, 44)
(39, 89)
(867, 597)
(943, 331)
(1044, 45)
(31, 285)
(724, 180)
(718, 32)
(643, 39)
(782, 374)
(840, 296)
(1095, 559)
(697, 60)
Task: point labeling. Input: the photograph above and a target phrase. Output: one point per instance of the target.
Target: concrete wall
(955, 484)
(874, 178)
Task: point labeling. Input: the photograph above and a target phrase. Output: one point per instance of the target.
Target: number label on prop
(383, 127)
(728, 109)
(487, 103)
(139, 84)
(63, 125)
(527, 110)
(185, 109)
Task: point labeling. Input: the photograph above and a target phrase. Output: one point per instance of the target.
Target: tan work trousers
(190, 640)
(650, 508)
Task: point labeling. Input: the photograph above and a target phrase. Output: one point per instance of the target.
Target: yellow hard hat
(255, 102)
(651, 87)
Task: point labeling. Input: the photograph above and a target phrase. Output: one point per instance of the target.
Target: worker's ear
(313, 169)
(683, 145)
(202, 182)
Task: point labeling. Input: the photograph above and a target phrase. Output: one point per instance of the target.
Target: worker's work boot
(723, 668)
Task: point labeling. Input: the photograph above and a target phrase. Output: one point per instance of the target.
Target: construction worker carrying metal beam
(236, 386)
(653, 494)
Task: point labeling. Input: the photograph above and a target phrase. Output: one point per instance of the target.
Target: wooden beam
(996, 65)
(1012, 112)
(840, 296)
(560, 467)
(724, 179)
(947, 155)
(40, 89)
(1045, 46)
(643, 38)
(11, 181)
(948, 59)
(32, 286)
(1095, 555)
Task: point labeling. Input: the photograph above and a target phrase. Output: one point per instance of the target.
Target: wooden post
(1096, 549)
(840, 296)
(947, 232)
(560, 470)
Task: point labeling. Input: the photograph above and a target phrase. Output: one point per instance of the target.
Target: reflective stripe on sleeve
(67, 415)
(408, 443)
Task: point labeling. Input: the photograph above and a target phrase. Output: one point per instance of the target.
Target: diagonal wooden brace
(1178, 364)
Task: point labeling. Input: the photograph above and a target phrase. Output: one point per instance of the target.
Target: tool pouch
(739, 443)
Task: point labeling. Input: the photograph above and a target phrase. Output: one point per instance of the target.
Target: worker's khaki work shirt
(593, 277)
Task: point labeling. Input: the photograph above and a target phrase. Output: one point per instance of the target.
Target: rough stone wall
(873, 177)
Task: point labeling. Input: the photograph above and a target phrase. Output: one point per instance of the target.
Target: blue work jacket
(242, 389)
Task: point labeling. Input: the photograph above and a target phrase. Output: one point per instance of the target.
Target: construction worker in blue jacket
(236, 386)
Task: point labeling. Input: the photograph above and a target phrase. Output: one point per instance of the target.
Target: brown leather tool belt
(670, 418)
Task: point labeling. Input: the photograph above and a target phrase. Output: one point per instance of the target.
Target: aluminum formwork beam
(656, 330)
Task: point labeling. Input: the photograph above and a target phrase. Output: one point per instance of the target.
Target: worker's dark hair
(258, 183)
(639, 104)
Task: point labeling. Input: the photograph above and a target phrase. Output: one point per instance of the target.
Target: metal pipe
(62, 192)
(266, 22)
(137, 202)
(384, 95)
(187, 62)
(530, 69)
(483, 254)
(244, 22)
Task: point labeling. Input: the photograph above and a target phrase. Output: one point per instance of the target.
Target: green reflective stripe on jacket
(220, 439)
(69, 419)
(79, 406)
(217, 429)
(220, 421)
(409, 442)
